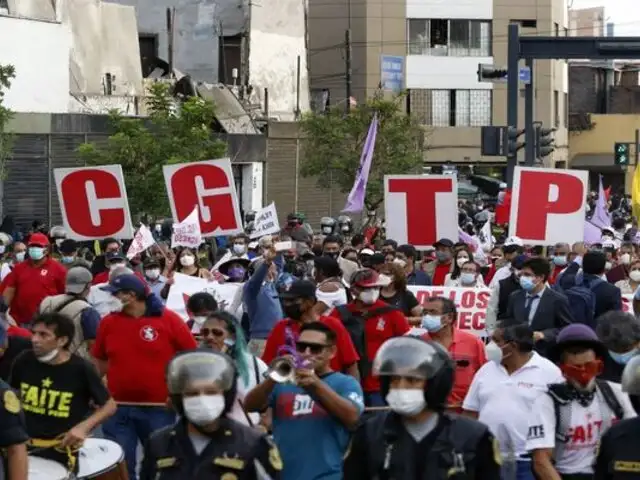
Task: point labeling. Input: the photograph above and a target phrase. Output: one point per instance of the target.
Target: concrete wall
(35, 9)
(39, 51)
(198, 23)
(277, 38)
(446, 73)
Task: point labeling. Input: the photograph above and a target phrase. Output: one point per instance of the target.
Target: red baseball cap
(38, 240)
(369, 278)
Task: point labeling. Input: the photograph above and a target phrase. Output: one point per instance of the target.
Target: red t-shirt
(440, 273)
(137, 351)
(377, 330)
(346, 354)
(554, 274)
(14, 331)
(33, 284)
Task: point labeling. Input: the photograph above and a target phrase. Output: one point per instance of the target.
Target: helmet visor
(199, 366)
(409, 357)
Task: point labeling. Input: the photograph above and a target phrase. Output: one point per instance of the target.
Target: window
(556, 108)
(457, 38)
(458, 108)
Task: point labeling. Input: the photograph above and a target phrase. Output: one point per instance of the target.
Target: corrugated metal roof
(229, 111)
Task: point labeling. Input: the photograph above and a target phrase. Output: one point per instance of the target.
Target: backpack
(582, 301)
(354, 323)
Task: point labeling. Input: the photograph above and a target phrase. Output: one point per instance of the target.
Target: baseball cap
(300, 289)
(368, 278)
(111, 256)
(443, 242)
(38, 240)
(150, 263)
(77, 279)
(129, 282)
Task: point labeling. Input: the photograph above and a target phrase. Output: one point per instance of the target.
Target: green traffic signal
(621, 154)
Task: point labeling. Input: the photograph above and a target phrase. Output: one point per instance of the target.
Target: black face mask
(293, 311)
(333, 255)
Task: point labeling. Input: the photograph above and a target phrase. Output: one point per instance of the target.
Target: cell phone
(283, 246)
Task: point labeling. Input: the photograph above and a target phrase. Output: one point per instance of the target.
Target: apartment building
(442, 42)
(588, 22)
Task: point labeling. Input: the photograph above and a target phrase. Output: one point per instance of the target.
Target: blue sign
(525, 74)
(392, 73)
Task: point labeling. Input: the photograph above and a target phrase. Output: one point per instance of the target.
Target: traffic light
(490, 73)
(545, 143)
(621, 154)
(511, 144)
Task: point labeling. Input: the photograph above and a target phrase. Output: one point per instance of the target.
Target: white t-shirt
(503, 401)
(254, 378)
(332, 299)
(501, 274)
(584, 429)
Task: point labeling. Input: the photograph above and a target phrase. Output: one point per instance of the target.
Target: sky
(625, 14)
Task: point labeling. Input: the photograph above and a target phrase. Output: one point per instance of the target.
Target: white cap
(513, 241)
(366, 251)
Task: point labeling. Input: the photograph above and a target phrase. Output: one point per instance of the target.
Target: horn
(282, 370)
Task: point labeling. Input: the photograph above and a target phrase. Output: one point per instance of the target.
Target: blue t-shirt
(312, 443)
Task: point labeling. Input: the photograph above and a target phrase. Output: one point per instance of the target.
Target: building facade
(442, 42)
(588, 22)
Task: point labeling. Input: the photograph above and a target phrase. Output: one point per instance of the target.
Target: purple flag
(355, 200)
(601, 217)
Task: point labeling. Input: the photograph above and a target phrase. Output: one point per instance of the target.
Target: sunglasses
(315, 348)
(216, 332)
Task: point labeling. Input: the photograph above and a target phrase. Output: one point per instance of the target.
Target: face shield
(199, 367)
(410, 357)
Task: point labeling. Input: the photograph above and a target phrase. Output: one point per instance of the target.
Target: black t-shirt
(16, 346)
(404, 301)
(55, 398)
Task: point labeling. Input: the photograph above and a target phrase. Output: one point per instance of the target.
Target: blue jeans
(523, 470)
(132, 424)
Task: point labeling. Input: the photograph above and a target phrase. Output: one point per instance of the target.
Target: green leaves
(334, 140)
(173, 133)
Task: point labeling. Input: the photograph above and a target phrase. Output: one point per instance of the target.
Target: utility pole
(348, 70)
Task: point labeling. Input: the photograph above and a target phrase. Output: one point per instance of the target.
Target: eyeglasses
(315, 348)
(216, 332)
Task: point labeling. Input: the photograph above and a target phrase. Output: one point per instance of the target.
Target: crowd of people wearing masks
(324, 364)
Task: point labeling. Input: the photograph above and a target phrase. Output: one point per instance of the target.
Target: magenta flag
(355, 200)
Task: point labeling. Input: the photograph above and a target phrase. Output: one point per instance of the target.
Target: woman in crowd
(223, 333)
(630, 284)
(397, 294)
(187, 263)
(461, 257)
(469, 276)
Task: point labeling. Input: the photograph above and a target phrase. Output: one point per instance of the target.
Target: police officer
(205, 443)
(619, 452)
(328, 225)
(418, 439)
(13, 436)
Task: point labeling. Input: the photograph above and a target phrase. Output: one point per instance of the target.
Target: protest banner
(471, 304)
(266, 222)
(185, 285)
(187, 233)
(421, 209)
(548, 205)
(93, 202)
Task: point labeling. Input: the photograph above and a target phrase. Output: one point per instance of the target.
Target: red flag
(607, 193)
(503, 208)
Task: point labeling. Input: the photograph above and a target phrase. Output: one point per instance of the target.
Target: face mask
(369, 297)
(560, 260)
(461, 261)
(333, 255)
(199, 320)
(187, 260)
(117, 305)
(236, 273)
(527, 283)
(67, 260)
(443, 256)
(432, 323)
(48, 358)
(239, 248)
(623, 358)
(635, 276)
(327, 230)
(582, 375)
(36, 253)
(467, 278)
(608, 265)
(20, 257)
(494, 352)
(293, 311)
(203, 409)
(152, 274)
(113, 266)
(406, 401)
(625, 259)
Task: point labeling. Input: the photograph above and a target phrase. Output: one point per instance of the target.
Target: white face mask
(203, 409)
(607, 266)
(239, 248)
(117, 305)
(199, 320)
(369, 297)
(187, 260)
(113, 266)
(467, 278)
(406, 401)
(625, 259)
(48, 358)
(493, 352)
(461, 261)
(634, 275)
(152, 274)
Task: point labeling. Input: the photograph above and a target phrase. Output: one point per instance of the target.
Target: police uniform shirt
(584, 429)
(12, 426)
(503, 401)
(619, 453)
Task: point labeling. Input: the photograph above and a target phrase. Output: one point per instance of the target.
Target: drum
(101, 459)
(43, 469)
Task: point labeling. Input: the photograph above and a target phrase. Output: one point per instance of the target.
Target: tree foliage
(171, 134)
(7, 74)
(334, 141)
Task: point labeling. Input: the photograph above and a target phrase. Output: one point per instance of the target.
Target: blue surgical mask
(432, 323)
(527, 283)
(467, 278)
(623, 358)
(67, 259)
(560, 260)
(20, 256)
(36, 253)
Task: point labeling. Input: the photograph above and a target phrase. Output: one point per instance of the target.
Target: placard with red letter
(208, 185)
(93, 202)
(548, 205)
(421, 209)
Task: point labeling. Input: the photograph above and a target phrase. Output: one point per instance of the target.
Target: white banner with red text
(184, 286)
